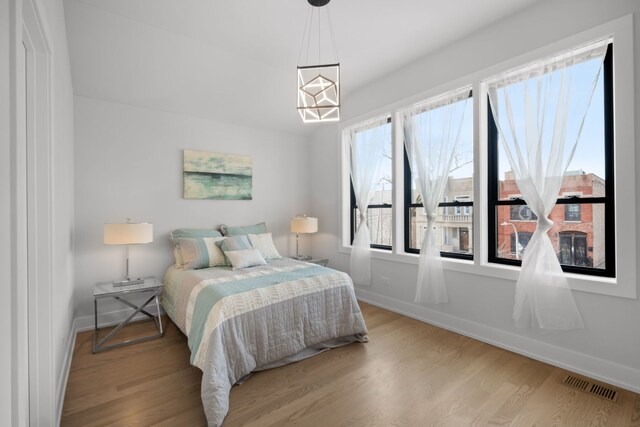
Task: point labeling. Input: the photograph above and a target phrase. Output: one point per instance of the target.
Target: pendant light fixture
(318, 85)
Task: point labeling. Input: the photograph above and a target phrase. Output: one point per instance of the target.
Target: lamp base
(128, 281)
(302, 257)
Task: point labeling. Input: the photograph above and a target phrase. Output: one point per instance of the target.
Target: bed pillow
(202, 252)
(189, 233)
(233, 243)
(244, 229)
(245, 258)
(194, 232)
(264, 244)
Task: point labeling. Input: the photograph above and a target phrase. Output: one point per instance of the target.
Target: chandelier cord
(319, 37)
(308, 29)
(304, 35)
(333, 40)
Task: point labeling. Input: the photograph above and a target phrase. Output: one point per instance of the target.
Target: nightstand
(102, 290)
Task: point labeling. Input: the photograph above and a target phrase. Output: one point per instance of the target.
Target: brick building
(577, 234)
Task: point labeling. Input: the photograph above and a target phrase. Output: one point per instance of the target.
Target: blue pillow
(259, 228)
(189, 233)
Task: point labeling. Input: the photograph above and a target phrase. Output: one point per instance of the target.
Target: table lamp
(303, 224)
(128, 234)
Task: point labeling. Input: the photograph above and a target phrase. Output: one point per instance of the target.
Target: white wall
(6, 258)
(609, 347)
(63, 305)
(52, 15)
(129, 164)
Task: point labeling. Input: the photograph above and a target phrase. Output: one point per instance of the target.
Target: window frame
(408, 205)
(608, 201)
(568, 213)
(354, 206)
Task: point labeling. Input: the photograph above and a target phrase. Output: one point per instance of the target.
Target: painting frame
(208, 175)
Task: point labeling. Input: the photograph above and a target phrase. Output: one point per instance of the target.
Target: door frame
(33, 373)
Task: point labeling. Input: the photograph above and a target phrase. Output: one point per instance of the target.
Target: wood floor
(410, 373)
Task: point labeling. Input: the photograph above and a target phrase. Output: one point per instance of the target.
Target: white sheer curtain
(365, 152)
(432, 134)
(539, 111)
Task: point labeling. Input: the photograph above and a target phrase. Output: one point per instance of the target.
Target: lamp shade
(304, 224)
(128, 234)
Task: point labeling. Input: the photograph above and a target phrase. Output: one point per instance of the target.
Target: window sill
(577, 282)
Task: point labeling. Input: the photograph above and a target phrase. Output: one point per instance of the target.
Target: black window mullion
(492, 193)
(609, 207)
(353, 212)
(408, 204)
(560, 201)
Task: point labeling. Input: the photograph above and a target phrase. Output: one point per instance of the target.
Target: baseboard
(66, 367)
(593, 367)
(86, 323)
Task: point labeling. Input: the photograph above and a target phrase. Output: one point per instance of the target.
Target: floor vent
(599, 390)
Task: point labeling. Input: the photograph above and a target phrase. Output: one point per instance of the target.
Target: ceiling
(235, 60)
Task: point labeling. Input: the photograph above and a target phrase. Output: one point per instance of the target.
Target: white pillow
(264, 243)
(245, 258)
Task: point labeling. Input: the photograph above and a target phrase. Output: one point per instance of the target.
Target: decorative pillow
(233, 243)
(244, 229)
(264, 244)
(245, 258)
(202, 252)
(190, 233)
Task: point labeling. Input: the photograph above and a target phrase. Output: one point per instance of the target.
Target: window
(583, 230)
(574, 249)
(521, 213)
(519, 242)
(572, 213)
(379, 211)
(454, 223)
(462, 209)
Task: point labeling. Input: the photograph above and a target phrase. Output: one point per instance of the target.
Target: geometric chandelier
(318, 85)
(319, 93)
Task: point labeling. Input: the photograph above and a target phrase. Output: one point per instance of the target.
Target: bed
(258, 318)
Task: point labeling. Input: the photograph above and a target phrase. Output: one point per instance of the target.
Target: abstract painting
(216, 176)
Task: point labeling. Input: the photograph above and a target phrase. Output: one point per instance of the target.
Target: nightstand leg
(158, 314)
(120, 326)
(95, 325)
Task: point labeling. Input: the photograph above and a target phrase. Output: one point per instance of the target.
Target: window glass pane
(572, 213)
(586, 172)
(460, 180)
(454, 231)
(384, 180)
(380, 225)
(521, 213)
(578, 243)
